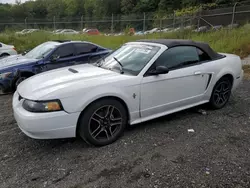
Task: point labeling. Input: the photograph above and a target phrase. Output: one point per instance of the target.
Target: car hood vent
(73, 70)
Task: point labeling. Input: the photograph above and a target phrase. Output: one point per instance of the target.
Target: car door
(183, 85)
(87, 53)
(63, 56)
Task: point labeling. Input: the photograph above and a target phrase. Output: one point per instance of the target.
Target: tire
(19, 80)
(221, 93)
(103, 122)
(1, 90)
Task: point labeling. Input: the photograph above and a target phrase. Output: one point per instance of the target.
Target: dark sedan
(47, 56)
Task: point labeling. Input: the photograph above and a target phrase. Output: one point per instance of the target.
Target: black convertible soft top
(177, 42)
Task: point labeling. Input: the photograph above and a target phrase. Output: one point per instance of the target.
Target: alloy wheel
(222, 93)
(105, 123)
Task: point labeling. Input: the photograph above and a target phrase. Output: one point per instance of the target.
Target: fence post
(233, 14)
(160, 24)
(144, 22)
(25, 23)
(199, 19)
(112, 24)
(182, 23)
(82, 22)
(54, 21)
(174, 21)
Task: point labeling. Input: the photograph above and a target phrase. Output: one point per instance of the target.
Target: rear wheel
(221, 93)
(103, 122)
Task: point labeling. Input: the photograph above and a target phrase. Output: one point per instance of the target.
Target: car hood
(14, 60)
(66, 82)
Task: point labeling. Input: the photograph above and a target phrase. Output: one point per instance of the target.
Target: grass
(235, 41)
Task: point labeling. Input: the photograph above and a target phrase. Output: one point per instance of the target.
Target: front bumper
(51, 125)
(6, 84)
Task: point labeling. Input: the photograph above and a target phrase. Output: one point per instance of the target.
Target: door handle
(197, 73)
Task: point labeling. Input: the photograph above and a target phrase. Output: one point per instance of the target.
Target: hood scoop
(73, 70)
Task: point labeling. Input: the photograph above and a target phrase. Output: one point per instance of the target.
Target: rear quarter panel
(230, 64)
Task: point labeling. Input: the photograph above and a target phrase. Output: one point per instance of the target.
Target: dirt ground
(158, 154)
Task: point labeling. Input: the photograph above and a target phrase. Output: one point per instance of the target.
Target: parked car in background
(67, 32)
(92, 32)
(139, 33)
(56, 31)
(27, 31)
(140, 81)
(22, 32)
(47, 56)
(84, 30)
(217, 27)
(32, 31)
(202, 29)
(155, 30)
(7, 50)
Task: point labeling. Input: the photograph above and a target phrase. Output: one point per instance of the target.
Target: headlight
(42, 106)
(5, 75)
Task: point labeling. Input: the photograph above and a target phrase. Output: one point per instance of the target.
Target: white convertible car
(140, 81)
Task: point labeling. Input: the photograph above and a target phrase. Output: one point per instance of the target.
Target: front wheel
(103, 122)
(221, 93)
(1, 90)
(20, 80)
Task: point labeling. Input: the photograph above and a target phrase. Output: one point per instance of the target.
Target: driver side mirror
(159, 70)
(54, 58)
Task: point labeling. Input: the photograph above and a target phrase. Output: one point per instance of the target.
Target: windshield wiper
(121, 66)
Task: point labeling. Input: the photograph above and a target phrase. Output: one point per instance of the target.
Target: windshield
(41, 51)
(133, 58)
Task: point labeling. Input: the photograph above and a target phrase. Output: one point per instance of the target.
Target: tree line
(95, 9)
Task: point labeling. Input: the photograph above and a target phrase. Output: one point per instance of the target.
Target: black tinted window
(85, 48)
(178, 57)
(202, 55)
(64, 51)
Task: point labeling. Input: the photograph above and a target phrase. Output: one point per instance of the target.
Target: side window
(64, 51)
(0, 45)
(85, 48)
(178, 57)
(203, 56)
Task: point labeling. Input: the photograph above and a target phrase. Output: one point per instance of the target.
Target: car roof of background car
(178, 42)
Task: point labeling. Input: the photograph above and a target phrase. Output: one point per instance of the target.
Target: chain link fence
(237, 14)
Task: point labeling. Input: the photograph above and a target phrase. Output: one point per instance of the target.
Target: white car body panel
(145, 97)
(7, 49)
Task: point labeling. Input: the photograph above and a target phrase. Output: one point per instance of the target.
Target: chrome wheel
(105, 123)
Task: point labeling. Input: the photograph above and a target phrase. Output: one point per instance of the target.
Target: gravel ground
(159, 153)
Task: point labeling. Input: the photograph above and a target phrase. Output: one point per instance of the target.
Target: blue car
(47, 56)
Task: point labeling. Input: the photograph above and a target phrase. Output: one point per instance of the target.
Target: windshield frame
(157, 47)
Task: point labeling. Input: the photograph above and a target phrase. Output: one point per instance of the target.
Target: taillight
(14, 48)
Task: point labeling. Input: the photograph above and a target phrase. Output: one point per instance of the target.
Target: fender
(88, 97)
